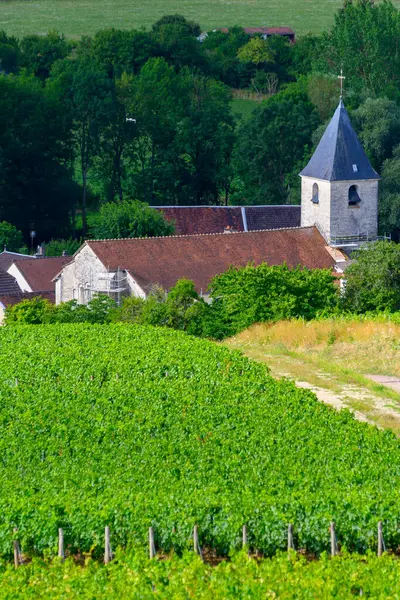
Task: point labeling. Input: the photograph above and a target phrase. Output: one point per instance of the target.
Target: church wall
(82, 278)
(361, 219)
(315, 214)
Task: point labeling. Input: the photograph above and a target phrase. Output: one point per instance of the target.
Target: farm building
(264, 32)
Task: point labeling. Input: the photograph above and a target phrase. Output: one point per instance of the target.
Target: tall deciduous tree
(272, 144)
(35, 157)
(86, 93)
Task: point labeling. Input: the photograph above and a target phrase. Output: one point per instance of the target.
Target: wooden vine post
(290, 543)
(380, 539)
(196, 544)
(333, 540)
(245, 541)
(107, 546)
(17, 550)
(152, 547)
(61, 544)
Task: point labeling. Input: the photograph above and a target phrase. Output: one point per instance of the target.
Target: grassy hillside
(133, 426)
(81, 17)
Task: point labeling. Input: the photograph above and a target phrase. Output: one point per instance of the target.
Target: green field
(80, 17)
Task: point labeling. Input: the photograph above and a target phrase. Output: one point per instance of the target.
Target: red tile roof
(7, 258)
(191, 220)
(39, 272)
(263, 30)
(164, 260)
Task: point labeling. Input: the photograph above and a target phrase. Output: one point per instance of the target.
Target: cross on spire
(342, 78)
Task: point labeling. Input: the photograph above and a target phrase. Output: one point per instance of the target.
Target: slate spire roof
(339, 155)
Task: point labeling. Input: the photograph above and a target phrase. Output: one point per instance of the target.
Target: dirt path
(336, 390)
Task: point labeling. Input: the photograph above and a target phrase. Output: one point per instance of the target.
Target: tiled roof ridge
(224, 206)
(43, 257)
(166, 237)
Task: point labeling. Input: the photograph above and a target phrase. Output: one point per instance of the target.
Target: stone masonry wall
(361, 219)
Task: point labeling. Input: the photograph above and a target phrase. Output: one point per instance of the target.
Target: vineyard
(137, 578)
(134, 427)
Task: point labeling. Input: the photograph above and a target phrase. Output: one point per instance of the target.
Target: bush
(129, 219)
(373, 280)
(248, 295)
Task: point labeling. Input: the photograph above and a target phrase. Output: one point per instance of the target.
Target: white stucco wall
(16, 273)
(316, 214)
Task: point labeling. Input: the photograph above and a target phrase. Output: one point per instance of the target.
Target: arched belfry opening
(315, 194)
(354, 197)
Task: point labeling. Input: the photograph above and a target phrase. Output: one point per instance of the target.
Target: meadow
(75, 18)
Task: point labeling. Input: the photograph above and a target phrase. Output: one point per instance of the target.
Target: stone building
(339, 187)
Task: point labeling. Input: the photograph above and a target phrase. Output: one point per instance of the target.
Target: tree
(58, 247)
(223, 49)
(40, 52)
(10, 237)
(389, 197)
(191, 27)
(256, 51)
(323, 92)
(119, 51)
(363, 41)
(129, 219)
(155, 101)
(36, 190)
(378, 123)
(10, 54)
(272, 144)
(373, 280)
(204, 141)
(179, 47)
(85, 91)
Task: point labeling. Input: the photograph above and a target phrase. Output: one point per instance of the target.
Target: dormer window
(354, 198)
(315, 194)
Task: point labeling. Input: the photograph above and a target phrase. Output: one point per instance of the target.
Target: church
(338, 212)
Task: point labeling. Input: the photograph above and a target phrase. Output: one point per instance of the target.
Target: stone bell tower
(339, 187)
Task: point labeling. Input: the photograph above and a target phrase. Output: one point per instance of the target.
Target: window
(354, 198)
(315, 194)
(355, 169)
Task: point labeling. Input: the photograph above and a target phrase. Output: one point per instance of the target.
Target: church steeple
(339, 187)
(339, 155)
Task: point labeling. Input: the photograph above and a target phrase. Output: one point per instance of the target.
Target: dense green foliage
(10, 237)
(373, 280)
(38, 310)
(129, 219)
(137, 578)
(148, 115)
(56, 247)
(265, 293)
(133, 426)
